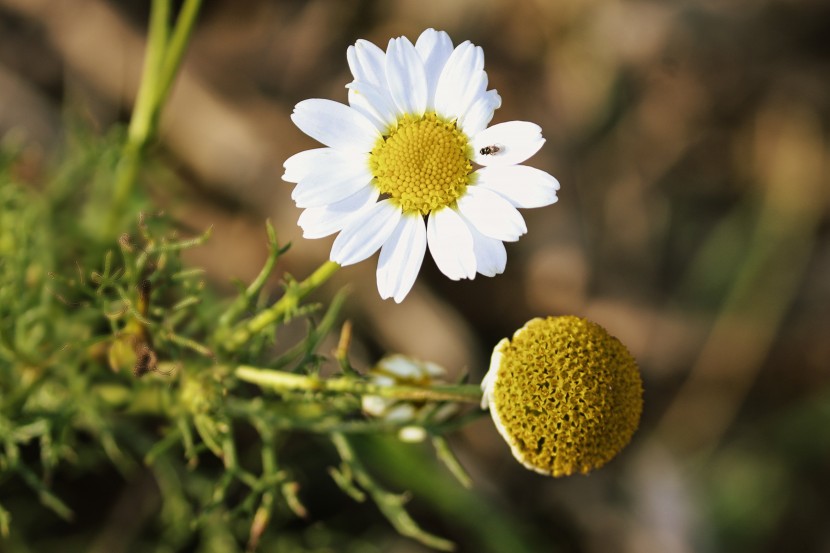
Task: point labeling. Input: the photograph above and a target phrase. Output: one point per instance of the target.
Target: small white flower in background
(399, 370)
(403, 151)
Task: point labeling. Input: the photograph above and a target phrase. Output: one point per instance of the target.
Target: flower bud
(399, 370)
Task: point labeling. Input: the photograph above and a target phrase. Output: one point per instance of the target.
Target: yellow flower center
(567, 394)
(423, 165)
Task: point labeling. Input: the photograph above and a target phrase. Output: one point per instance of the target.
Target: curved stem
(390, 504)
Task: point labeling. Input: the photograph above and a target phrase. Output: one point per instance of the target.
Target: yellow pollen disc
(423, 165)
(567, 395)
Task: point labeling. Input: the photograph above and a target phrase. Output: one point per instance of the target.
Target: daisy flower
(410, 164)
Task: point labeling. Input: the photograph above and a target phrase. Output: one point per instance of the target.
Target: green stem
(177, 48)
(285, 382)
(161, 63)
(247, 297)
(144, 400)
(446, 456)
(141, 121)
(390, 504)
(284, 306)
(306, 348)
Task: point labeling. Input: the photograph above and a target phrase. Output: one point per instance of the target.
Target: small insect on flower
(491, 150)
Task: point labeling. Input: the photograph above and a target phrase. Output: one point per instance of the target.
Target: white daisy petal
(460, 80)
(320, 162)
(302, 164)
(367, 62)
(451, 82)
(435, 48)
(521, 185)
(401, 366)
(491, 214)
(480, 113)
(361, 103)
(490, 253)
(451, 244)
(377, 101)
(365, 235)
(405, 77)
(401, 257)
(476, 88)
(335, 125)
(335, 179)
(517, 141)
(319, 222)
(368, 65)
(320, 191)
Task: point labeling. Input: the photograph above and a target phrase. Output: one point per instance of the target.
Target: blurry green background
(691, 142)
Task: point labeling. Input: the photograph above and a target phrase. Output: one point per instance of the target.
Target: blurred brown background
(691, 142)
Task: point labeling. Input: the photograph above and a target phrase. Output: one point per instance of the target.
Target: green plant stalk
(286, 382)
(138, 133)
(236, 309)
(140, 127)
(305, 349)
(390, 504)
(176, 49)
(161, 64)
(284, 306)
(446, 456)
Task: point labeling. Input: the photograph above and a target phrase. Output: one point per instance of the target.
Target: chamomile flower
(410, 164)
(564, 394)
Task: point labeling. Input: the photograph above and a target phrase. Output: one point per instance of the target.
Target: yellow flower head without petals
(564, 394)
